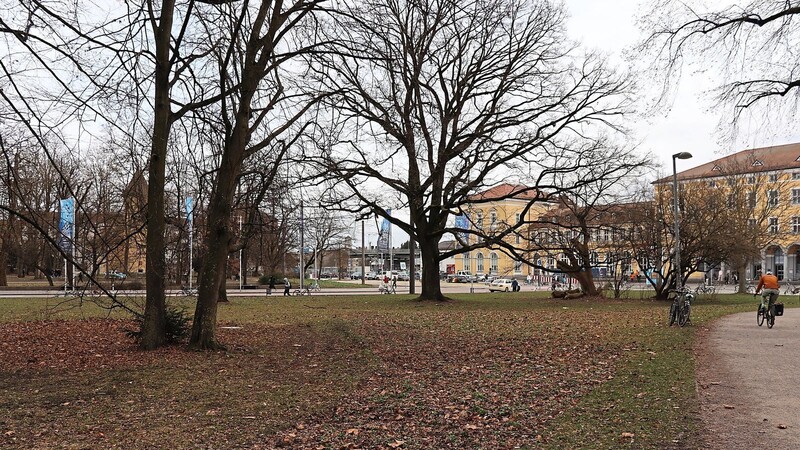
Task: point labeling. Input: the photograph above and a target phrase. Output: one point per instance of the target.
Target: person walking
(271, 285)
(286, 286)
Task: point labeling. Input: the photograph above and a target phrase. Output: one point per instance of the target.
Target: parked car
(371, 275)
(500, 284)
(461, 276)
(403, 276)
(117, 275)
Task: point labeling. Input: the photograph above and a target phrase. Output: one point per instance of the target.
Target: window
(796, 196)
(796, 175)
(495, 260)
(751, 179)
(467, 262)
(517, 238)
(479, 221)
(480, 263)
(772, 198)
(773, 225)
(773, 177)
(752, 223)
(517, 218)
(796, 225)
(492, 219)
(712, 184)
(731, 201)
(517, 267)
(751, 199)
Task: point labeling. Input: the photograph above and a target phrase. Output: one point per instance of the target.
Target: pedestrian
(286, 286)
(514, 285)
(529, 279)
(271, 285)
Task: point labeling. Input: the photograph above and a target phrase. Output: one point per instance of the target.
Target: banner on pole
(189, 203)
(462, 223)
(66, 224)
(384, 233)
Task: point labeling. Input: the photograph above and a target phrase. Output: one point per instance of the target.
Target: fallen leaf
(728, 406)
(782, 426)
(396, 444)
(628, 435)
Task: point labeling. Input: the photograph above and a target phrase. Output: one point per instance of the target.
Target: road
(371, 287)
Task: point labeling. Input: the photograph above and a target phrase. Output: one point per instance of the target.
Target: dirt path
(735, 358)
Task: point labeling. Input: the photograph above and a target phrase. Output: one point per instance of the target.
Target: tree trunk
(431, 284)
(586, 281)
(741, 267)
(153, 332)
(223, 292)
(3, 266)
(218, 234)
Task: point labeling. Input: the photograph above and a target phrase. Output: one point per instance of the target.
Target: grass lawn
(486, 371)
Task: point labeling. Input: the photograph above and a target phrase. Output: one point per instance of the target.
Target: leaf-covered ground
(482, 372)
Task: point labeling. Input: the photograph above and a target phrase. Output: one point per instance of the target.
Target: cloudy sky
(692, 122)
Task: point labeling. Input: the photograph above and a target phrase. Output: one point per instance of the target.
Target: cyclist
(771, 289)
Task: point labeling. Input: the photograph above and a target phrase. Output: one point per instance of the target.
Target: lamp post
(681, 155)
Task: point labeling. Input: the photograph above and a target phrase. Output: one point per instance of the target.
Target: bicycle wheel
(297, 292)
(673, 313)
(683, 314)
(760, 316)
(771, 317)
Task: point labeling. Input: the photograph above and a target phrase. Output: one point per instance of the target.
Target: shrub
(178, 322)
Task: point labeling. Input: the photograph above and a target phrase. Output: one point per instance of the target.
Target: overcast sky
(611, 26)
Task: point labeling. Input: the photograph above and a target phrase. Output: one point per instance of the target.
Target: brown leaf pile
(449, 379)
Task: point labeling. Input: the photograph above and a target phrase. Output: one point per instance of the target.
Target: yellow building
(770, 180)
(492, 212)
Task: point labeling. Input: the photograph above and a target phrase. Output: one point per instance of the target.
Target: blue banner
(384, 233)
(462, 223)
(189, 203)
(66, 224)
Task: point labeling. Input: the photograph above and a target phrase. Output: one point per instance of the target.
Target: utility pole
(363, 254)
(302, 245)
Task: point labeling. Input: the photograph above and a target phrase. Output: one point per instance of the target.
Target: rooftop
(765, 159)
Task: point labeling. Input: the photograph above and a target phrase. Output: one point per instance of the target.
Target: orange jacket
(768, 281)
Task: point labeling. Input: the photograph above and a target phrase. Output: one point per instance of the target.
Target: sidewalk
(748, 382)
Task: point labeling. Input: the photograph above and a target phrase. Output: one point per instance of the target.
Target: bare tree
(752, 44)
(723, 218)
(441, 99)
(595, 199)
(260, 117)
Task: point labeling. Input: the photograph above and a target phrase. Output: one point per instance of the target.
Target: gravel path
(735, 360)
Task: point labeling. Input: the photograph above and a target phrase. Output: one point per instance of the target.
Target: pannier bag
(778, 309)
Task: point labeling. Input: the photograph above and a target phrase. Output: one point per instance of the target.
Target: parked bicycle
(791, 288)
(681, 307)
(767, 313)
(704, 289)
(188, 291)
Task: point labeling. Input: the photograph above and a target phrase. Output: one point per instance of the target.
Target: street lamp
(681, 155)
